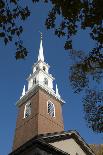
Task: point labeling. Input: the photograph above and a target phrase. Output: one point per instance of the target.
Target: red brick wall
(39, 121)
(46, 123)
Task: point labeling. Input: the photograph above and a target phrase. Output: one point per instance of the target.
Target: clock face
(51, 109)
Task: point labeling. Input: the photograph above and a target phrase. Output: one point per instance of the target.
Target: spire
(23, 92)
(41, 55)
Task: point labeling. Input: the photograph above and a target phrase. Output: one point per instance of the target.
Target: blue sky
(13, 75)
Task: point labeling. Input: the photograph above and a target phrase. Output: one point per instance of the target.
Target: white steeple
(40, 77)
(41, 74)
(41, 55)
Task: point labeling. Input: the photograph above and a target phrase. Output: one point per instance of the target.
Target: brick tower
(40, 107)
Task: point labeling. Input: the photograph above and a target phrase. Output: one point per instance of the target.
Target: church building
(40, 126)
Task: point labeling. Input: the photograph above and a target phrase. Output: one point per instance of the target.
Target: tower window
(44, 68)
(34, 81)
(37, 68)
(27, 110)
(45, 81)
(51, 109)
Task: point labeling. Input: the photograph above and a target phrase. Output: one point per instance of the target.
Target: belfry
(40, 127)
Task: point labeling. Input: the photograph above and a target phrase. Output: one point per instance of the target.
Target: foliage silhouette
(75, 15)
(10, 10)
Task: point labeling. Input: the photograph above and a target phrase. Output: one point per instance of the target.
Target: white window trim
(53, 106)
(28, 103)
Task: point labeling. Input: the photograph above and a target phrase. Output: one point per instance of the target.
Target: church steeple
(40, 107)
(41, 54)
(39, 113)
(41, 76)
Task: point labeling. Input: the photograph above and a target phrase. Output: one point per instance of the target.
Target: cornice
(33, 91)
(35, 143)
(35, 64)
(45, 139)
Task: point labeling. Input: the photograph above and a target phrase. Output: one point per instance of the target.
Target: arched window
(27, 110)
(51, 109)
(37, 68)
(34, 81)
(45, 81)
(44, 68)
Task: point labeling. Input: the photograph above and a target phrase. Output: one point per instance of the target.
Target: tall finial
(23, 92)
(41, 35)
(57, 92)
(41, 55)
